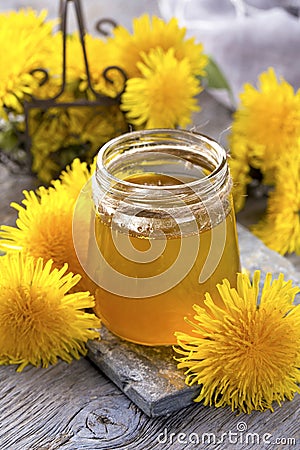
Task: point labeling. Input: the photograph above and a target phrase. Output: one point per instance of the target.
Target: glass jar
(165, 231)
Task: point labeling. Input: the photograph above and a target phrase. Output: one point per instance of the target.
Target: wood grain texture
(147, 375)
(74, 407)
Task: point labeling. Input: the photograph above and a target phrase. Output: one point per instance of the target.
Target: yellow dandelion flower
(61, 134)
(44, 229)
(45, 167)
(100, 56)
(153, 33)
(39, 321)
(74, 59)
(239, 169)
(164, 98)
(53, 131)
(268, 119)
(246, 354)
(26, 44)
(74, 177)
(280, 229)
(102, 124)
(53, 66)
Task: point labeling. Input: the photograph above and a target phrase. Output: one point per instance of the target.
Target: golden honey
(212, 247)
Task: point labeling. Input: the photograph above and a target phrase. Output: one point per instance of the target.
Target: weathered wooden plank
(147, 375)
(74, 407)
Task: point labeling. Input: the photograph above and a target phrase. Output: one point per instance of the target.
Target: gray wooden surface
(75, 407)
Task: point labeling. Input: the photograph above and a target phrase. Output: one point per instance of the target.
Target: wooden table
(74, 407)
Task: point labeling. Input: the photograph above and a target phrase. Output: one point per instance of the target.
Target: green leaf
(215, 79)
(8, 140)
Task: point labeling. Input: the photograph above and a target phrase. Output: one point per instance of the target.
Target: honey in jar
(165, 229)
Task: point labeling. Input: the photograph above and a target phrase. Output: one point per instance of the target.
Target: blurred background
(245, 38)
(120, 10)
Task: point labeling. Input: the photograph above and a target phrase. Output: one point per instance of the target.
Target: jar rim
(179, 133)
